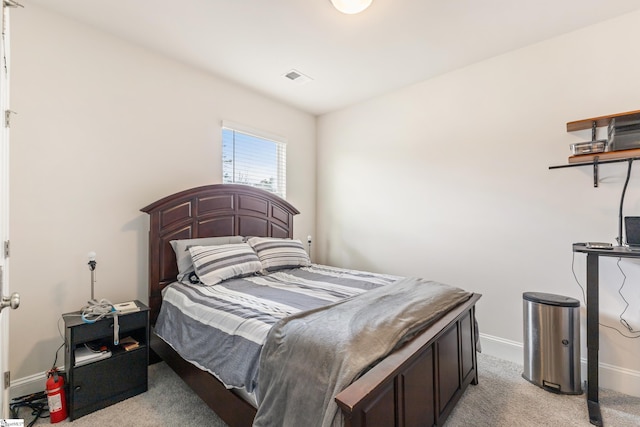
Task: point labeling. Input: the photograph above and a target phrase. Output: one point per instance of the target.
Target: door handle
(13, 301)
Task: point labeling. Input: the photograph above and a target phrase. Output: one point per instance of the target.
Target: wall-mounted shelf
(596, 159)
(602, 121)
(603, 157)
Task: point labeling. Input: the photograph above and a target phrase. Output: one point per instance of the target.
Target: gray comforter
(222, 328)
(309, 357)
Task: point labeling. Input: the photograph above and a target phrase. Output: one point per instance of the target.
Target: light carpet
(502, 398)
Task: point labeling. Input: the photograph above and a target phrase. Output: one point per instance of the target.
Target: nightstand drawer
(104, 328)
(110, 380)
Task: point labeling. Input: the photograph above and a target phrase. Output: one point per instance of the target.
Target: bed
(415, 385)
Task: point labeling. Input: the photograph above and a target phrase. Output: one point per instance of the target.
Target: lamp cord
(622, 319)
(624, 190)
(97, 310)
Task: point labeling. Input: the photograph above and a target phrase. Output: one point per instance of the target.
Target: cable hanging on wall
(624, 190)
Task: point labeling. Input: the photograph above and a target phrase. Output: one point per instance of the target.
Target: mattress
(222, 328)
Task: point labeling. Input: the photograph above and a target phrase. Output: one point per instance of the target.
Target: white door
(14, 300)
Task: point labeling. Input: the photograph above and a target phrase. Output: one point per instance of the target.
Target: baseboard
(502, 348)
(624, 380)
(28, 385)
(612, 377)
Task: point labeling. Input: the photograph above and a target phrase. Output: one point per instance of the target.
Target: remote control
(599, 245)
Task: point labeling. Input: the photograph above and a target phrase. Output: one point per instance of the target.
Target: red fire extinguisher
(56, 397)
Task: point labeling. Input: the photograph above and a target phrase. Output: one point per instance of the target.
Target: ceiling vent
(297, 77)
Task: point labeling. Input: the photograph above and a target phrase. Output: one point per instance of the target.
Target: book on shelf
(84, 355)
(129, 343)
(126, 307)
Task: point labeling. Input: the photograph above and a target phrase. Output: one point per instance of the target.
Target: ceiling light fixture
(351, 6)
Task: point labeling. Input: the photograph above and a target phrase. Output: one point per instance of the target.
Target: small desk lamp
(92, 266)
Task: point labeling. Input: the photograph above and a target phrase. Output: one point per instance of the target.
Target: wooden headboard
(209, 211)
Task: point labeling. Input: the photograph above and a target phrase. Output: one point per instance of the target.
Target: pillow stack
(209, 261)
(183, 256)
(213, 264)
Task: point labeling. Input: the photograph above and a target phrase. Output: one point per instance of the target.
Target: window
(253, 158)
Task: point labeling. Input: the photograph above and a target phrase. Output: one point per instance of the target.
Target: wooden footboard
(419, 384)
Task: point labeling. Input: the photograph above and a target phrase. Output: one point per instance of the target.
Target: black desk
(593, 320)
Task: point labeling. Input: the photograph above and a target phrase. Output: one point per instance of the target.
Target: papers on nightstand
(85, 355)
(126, 307)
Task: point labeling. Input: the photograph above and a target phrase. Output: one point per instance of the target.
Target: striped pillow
(279, 253)
(183, 257)
(213, 264)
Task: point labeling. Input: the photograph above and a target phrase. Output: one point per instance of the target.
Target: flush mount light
(351, 6)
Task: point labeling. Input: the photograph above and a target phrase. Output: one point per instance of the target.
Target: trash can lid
(551, 299)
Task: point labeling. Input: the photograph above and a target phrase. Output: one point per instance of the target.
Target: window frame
(281, 155)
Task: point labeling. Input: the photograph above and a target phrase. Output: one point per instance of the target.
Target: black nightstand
(104, 382)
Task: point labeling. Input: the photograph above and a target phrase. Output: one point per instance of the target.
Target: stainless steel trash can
(552, 342)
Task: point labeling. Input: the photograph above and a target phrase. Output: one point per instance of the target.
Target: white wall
(448, 179)
(103, 129)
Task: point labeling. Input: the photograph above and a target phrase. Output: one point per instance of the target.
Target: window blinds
(253, 158)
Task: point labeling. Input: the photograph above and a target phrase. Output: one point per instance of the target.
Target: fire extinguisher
(56, 396)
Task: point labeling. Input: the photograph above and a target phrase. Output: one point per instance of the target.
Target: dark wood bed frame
(417, 385)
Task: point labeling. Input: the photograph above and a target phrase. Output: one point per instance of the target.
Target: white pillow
(213, 264)
(277, 253)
